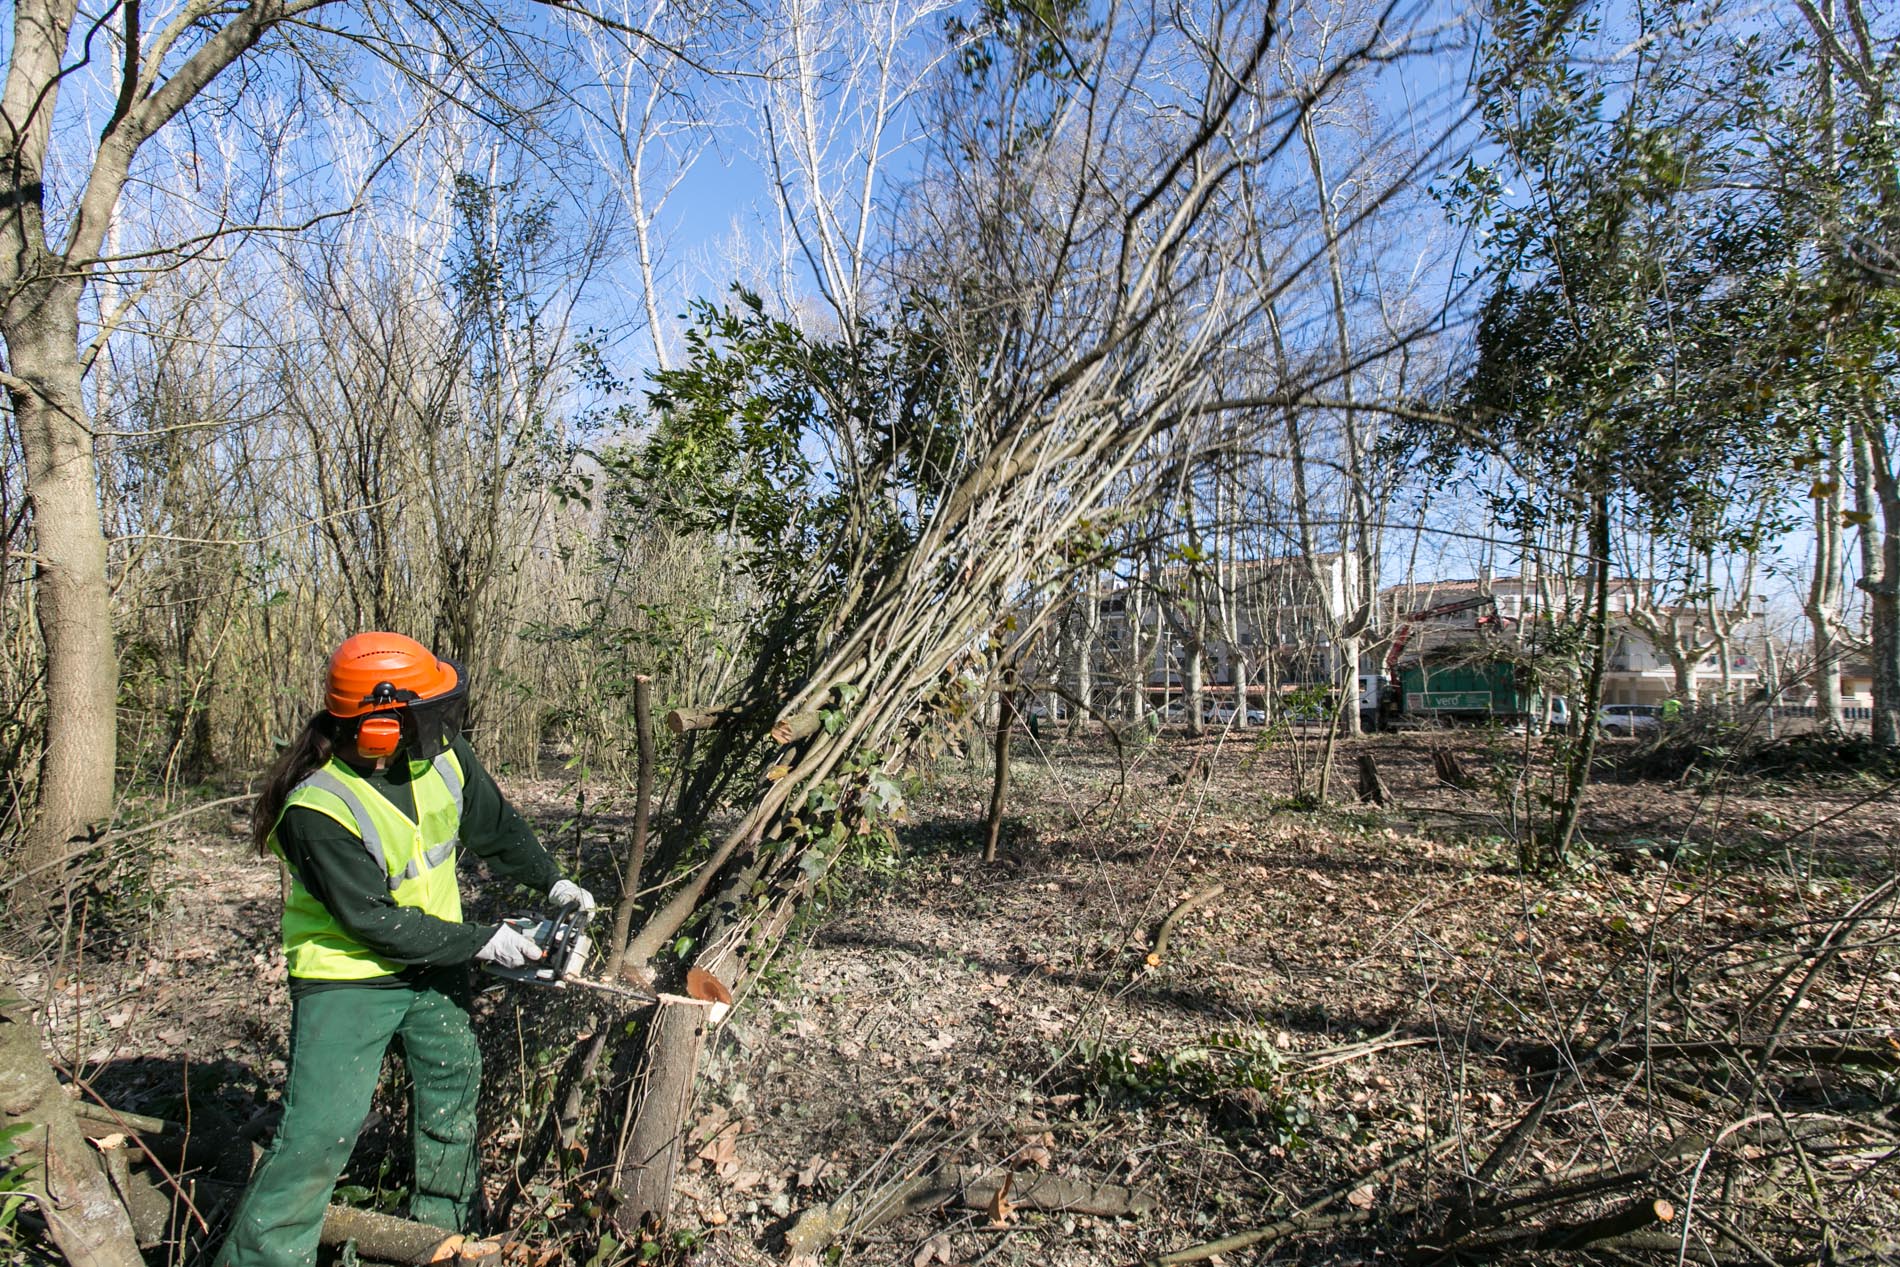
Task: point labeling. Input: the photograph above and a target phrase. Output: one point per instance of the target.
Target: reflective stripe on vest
(416, 857)
(365, 822)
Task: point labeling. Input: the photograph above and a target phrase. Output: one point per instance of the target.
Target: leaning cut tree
(892, 494)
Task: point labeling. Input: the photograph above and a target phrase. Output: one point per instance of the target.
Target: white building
(1653, 642)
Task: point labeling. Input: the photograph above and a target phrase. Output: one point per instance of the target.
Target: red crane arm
(1404, 633)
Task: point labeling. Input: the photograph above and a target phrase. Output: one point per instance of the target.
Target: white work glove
(565, 891)
(509, 948)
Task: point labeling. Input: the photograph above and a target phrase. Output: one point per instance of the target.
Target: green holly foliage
(815, 461)
(1620, 340)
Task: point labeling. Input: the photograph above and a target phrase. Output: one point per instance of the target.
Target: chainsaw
(565, 947)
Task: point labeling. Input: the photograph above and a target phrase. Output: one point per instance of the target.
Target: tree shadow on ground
(1207, 1000)
(953, 837)
(204, 1096)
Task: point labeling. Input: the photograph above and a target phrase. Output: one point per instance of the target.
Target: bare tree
(50, 249)
(1855, 71)
(1826, 591)
(1681, 608)
(646, 117)
(833, 102)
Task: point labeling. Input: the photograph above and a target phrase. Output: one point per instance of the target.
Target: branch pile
(1706, 1124)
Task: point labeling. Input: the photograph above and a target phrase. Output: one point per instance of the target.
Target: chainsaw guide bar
(565, 947)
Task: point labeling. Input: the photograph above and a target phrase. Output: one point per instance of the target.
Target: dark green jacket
(339, 872)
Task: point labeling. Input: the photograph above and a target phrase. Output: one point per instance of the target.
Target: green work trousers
(337, 1041)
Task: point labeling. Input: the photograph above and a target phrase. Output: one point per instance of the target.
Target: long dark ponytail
(308, 752)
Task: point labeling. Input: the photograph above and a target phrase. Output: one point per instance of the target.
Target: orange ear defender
(378, 737)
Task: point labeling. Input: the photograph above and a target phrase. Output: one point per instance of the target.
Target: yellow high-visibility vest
(416, 856)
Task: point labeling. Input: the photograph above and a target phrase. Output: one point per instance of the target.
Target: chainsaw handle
(565, 922)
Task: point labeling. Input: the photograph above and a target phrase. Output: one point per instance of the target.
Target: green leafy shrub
(13, 1190)
(1239, 1078)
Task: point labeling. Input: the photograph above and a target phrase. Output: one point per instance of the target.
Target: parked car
(1630, 720)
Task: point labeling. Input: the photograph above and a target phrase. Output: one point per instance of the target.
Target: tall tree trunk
(1771, 683)
(1349, 683)
(1328, 751)
(1877, 492)
(1196, 688)
(1884, 631)
(1088, 635)
(1684, 673)
(1725, 660)
(40, 290)
(1243, 679)
(1577, 776)
(999, 786)
(642, 812)
(74, 602)
(1823, 606)
(1358, 555)
(1134, 613)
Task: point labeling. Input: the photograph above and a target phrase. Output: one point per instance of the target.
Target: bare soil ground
(1368, 985)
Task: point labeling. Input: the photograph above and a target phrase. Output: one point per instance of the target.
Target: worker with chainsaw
(370, 808)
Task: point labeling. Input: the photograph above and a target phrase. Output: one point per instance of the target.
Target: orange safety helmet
(383, 688)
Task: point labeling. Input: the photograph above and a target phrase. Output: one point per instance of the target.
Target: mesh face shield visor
(428, 725)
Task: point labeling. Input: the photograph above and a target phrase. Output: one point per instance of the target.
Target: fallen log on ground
(1716, 1252)
(974, 1187)
(1311, 1217)
(1192, 902)
(149, 1207)
(63, 1178)
(1633, 1217)
(154, 1206)
(221, 1149)
(1871, 1057)
(383, 1237)
(98, 1121)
